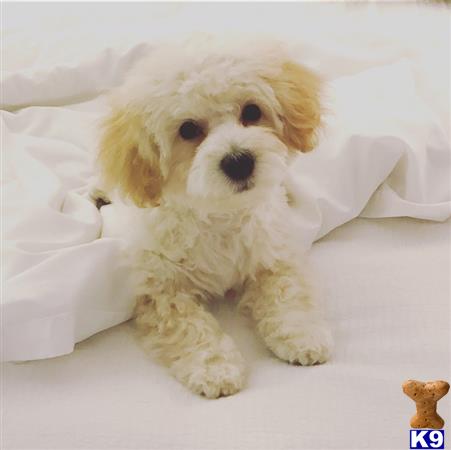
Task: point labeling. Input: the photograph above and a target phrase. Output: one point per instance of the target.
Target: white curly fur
(197, 234)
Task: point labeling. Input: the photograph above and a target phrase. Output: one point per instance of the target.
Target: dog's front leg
(282, 304)
(188, 340)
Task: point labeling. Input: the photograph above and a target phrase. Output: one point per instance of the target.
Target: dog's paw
(311, 344)
(217, 379)
(217, 375)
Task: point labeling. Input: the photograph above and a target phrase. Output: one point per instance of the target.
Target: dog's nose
(239, 165)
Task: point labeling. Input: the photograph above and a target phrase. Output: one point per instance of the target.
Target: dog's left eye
(190, 130)
(251, 113)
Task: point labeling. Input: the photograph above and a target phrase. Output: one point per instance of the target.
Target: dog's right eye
(190, 130)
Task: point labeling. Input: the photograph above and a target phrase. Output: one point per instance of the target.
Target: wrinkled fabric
(384, 151)
(385, 286)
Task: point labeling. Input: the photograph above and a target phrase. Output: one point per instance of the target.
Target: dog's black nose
(239, 165)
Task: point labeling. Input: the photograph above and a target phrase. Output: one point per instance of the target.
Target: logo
(427, 425)
(427, 438)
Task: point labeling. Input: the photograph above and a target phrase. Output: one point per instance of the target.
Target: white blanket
(386, 289)
(385, 151)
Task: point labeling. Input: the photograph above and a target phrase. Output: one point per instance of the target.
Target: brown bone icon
(426, 395)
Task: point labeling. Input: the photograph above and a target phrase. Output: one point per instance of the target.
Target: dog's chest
(219, 252)
(227, 249)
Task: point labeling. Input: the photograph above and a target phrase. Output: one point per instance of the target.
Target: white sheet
(386, 290)
(385, 150)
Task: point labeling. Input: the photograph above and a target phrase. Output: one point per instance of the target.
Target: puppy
(199, 138)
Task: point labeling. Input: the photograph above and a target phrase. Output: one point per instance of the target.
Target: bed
(374, 206)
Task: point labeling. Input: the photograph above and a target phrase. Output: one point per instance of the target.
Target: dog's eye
(251, 113)
(190, 130)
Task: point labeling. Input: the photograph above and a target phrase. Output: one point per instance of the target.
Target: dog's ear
(129, 158)
(297, 89)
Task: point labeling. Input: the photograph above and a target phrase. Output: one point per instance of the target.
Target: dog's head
(209, 124)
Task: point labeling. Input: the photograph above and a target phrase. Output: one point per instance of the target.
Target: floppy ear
(297, 90)
(130, 159)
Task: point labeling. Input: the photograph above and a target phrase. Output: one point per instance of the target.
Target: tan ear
(129, 159)
(297, 90)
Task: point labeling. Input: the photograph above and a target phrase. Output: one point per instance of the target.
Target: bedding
(385, 284)
(384, 153)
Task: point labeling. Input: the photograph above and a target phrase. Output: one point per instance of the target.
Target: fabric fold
(382, 153)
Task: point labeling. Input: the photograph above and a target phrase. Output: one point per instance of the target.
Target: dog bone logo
(426, 395)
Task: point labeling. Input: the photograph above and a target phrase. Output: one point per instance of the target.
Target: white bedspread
(386, 291)
(384, 152)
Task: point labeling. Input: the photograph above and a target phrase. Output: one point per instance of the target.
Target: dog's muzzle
(238, 165)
